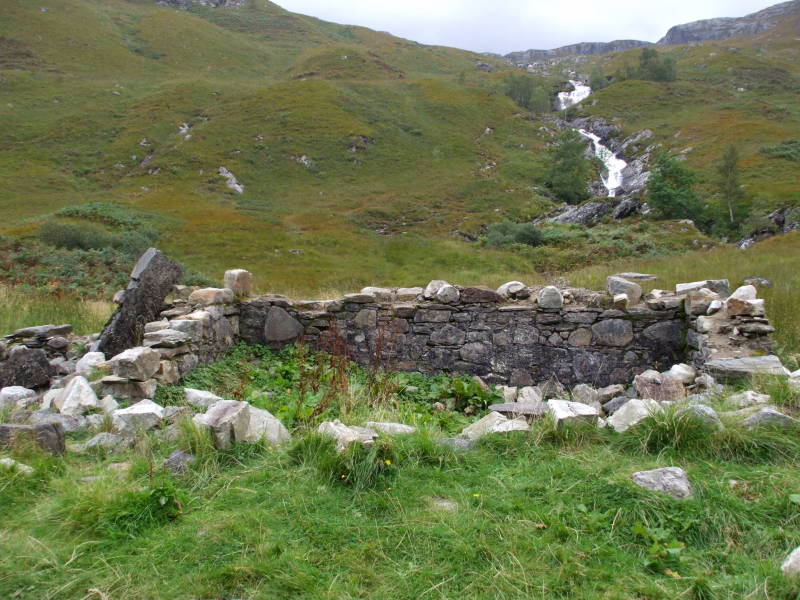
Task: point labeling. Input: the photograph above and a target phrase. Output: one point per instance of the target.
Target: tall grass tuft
(20, 308)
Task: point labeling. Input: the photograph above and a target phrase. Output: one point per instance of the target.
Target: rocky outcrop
(151, 280)
(724, 28)
(525, 57)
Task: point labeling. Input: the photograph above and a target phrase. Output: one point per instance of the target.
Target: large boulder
(618, 285)
(26, 367)
(77, 398)
(791, 566)
(613, 332)
(769, 417)
(494, 422)
(151, 281)
(263, 426)
(743, 302)
(211, 296)
(632, 413)
(733, 369)
(390, 428)
(346, 435)
(200, 399)
(142, 416)
(655, 386)
(550, 297)
(16, 396)
(108, 442)
(48, 436)
(228, 420)
(89, 362)
(564, 412)
(281, 327)
(240, 282)
(748, 398)
(669, 480)
(138, 364)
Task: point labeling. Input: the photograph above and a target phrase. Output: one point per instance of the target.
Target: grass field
(546, 514)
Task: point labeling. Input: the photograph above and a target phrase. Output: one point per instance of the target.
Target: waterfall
(614, 166)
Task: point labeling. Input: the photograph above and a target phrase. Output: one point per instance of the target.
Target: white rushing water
(578, 94)
(614, 166)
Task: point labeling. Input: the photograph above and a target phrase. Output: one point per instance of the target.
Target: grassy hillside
(365, 158)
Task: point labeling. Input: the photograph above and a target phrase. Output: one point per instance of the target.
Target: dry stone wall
(519, 343)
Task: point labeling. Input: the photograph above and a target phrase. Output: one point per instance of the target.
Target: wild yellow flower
(476, 495)
(388, 463)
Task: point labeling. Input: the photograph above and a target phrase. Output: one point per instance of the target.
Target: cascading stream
(614, 166)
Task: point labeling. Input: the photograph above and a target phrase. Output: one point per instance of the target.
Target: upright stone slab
(151, 281)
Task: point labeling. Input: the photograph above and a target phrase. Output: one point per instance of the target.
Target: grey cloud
(506, 25)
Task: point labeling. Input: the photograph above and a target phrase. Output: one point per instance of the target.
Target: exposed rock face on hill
(721, 29)
(211, 3)
(580, 49)
(698, 31)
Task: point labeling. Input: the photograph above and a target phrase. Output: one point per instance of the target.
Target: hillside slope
(362, 158)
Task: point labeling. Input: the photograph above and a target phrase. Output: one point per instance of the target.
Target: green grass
(26, 308)
(90, 90)
(547, 514)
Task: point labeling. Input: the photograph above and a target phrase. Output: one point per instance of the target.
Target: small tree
(670, 191)
(730, 188)
(597, 81)
(528, 92)
(569, 170)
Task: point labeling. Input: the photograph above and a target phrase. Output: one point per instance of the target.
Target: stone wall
(503, 341)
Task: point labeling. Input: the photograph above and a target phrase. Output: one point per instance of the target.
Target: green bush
(79, 235)
(503, 235)
(528, 92)
(569, 169)
(788, 150)
(671, 193)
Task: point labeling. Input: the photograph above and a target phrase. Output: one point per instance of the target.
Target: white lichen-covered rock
(200, 399)
(390, 428)
(770, 417)
(564, 412)
(136, 364)
(77, 398)
(228, 420)
(731, 369)
(448, 294)
(16, 396)
(211, 296)
(748, 398)
(684, 373)
(743, 302)
(239, 281)
(108, 404)
(618, 285)
(515, 290)
(550, 297)
(142, 416)
(586, 394)
(9, 464)
(632, 413)
(791, 566)
(347, 434)
(108, 442)
(720, 286)
(670, 480)
(529, 394)
(655, 386)
(518, 424)
(433, 288)
(89, 362)
(264, 426)
(703, 413)
(494, 422)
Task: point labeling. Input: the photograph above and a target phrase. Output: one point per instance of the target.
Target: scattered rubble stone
(672, 481)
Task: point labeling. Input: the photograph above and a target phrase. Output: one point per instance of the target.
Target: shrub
(788, 150)
(502, 235)
(569, 169)
(528, 92)
(72, 236)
